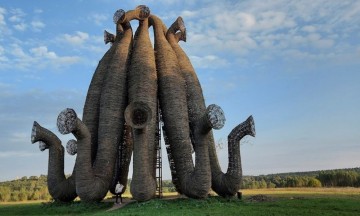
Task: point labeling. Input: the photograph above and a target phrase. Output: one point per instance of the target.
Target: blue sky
(293, 65)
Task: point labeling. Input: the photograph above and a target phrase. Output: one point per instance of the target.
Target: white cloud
(77, 39)
(4, 30)
(324, 43)
(38, 11)
(2, 16)
(42, 51)
(98, 18)
(309, 28)
(274, 20)
(3, 59)
(19, 137)
(2, 10)
(353, 13)
(166, 2)
(187, 14)
(37, 25)
(20, 27)
(35, 58)
(17, 154)
(272, 29)
(241, 43)
(233, 21)
(2, 50)
(314, 37)
(2, 20)
(46, 59)
(67, 60)
(18, 52)
(19, 59)
(209, 61)
(15, 18)
(17, 15)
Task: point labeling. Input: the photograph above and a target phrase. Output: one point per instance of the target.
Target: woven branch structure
(134, 83)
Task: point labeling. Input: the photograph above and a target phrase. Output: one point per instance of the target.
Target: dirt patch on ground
(260, 198)
(125, 202)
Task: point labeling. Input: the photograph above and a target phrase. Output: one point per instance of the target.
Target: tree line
(35, 187)
(328, 178)
(32, 188)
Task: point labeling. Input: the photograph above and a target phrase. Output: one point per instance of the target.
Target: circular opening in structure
(139, 117)
(216, 116)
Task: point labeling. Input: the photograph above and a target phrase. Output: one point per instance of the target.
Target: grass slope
(300, 201)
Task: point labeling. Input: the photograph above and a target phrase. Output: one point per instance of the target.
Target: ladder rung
(158, 156)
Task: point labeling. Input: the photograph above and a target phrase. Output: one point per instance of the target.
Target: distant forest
(327, 178)
(35, 187)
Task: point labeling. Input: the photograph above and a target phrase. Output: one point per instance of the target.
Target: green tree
(23, 194)
(35, 195)
(5, 194)
(33, 178)
(14, 196)
(44, 194)
(271, 185)
(262, 184)
(313, 182)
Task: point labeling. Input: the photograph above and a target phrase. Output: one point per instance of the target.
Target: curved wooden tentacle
(141, 113)
(60, 188)
(223, 184)
(228, 184)
(173, 104)
(92, 103)
(140, 13)
(93, 182)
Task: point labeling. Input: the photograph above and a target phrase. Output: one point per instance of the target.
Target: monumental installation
(136, 85)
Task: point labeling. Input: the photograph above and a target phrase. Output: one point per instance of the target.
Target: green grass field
(287, 201)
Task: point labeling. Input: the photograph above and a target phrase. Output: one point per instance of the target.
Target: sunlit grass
(23, 202)
(282, 201)
(312, 192)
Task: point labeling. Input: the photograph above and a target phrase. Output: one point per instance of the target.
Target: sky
(293, 65)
